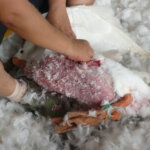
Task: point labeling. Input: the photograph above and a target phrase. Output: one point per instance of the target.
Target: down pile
(20, 129)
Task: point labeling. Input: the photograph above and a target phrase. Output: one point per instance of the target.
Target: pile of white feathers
(21, 130)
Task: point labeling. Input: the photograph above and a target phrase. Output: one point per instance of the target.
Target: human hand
(80, 51)
(58, 17)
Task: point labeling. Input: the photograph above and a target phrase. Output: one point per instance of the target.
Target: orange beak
(19, 63)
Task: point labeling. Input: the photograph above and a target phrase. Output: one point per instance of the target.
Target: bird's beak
(19, 63)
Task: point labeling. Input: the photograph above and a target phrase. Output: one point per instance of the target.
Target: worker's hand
(58, 17)
(80, 51)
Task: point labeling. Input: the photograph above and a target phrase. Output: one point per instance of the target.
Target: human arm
(79, 2)
(25, 20)
(57, 16)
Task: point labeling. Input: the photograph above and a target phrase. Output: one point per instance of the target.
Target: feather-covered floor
(23, 128)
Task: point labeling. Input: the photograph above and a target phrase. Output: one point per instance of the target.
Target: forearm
(28, 23)
(79, 2)
(57, 3)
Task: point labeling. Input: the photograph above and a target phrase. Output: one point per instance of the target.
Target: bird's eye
(21, 51)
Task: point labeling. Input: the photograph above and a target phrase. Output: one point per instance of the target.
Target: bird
(104, 79)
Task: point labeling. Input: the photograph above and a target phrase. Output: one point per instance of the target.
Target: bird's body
(94, 82)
